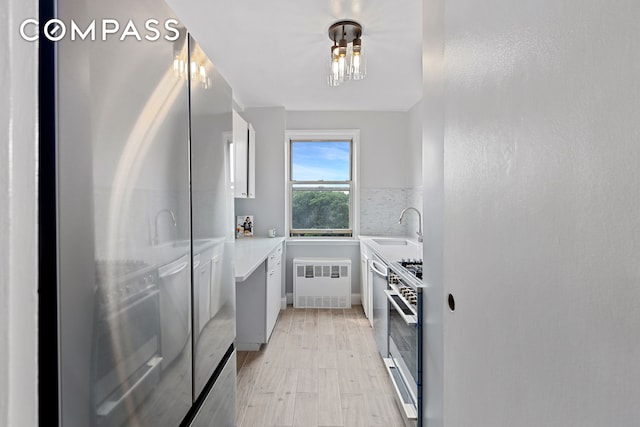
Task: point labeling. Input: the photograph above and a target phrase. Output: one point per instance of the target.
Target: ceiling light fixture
(347, 61)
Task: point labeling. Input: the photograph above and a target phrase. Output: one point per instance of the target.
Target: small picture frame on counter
(244, 226)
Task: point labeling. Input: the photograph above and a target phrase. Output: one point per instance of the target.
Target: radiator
(322, 282)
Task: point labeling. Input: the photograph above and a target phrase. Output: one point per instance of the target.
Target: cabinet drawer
(275, 258)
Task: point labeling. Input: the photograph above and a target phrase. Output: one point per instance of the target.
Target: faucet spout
(419, 232)
(156, 238)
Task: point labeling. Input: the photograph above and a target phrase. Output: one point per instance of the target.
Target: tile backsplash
(380, 209)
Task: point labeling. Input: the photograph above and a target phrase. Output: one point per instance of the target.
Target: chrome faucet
(419, 232)
(156, 238)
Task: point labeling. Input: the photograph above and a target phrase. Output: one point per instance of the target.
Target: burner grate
(413, 266)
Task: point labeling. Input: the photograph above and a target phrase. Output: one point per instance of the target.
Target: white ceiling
(275, 53)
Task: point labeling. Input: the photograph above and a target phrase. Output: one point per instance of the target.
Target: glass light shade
(345, 71)
(337, 68)
(342, 68)
(357, 61)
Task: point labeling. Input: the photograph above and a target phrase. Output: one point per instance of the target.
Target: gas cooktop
(412, 266)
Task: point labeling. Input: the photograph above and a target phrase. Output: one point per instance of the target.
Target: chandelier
(347, 61)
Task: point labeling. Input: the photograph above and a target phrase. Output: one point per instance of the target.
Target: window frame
(352, 135)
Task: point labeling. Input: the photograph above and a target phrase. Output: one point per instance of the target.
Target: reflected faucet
(419, 232)
(156, 238)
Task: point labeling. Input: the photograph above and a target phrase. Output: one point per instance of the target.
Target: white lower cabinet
(366, 296)
(274, 287)
(258, 301)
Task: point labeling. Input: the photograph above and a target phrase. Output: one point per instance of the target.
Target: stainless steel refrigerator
(144, 223)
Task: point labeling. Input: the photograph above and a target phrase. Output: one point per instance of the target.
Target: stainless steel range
(404, 306)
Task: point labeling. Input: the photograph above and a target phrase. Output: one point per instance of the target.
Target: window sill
(322, 241)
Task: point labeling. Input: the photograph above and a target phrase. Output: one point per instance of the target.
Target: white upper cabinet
(251, 172)
(244, 157)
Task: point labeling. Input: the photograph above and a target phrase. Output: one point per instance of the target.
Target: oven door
(403, 351)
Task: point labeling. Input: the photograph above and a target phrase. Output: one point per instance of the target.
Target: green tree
(320, 210)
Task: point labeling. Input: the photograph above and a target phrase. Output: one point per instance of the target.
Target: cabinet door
(364, 284)
(240, 155)
(251, 163)
(274, 288)
(366, 281)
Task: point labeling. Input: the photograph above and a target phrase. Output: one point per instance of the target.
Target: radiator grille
(322, 283)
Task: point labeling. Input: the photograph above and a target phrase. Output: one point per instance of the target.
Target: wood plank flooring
(320, 369)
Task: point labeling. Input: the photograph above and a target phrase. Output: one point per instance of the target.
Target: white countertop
(392, 253)
(250, 252)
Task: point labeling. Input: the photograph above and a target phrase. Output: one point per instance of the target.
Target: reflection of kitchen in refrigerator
(175, 303)
(212, 231)
(146, 308)
(207, 275)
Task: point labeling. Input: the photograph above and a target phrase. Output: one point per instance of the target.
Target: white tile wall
(380, 209)
(415, 199)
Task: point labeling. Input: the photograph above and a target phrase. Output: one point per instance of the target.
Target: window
(321, 186)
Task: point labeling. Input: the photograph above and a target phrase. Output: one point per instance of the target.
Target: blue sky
(328, 161)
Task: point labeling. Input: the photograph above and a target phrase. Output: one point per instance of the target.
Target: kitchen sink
(391, 242)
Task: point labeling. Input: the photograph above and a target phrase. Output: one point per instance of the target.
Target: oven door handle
(409, 320)
(379, 270)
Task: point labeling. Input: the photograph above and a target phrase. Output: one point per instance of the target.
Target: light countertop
(250, 252)
(391, 253)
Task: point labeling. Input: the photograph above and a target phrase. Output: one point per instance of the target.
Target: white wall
(433, 161)
(384, 139)
(415, 114)
(415, 194)
(387, 163)
(268, 206)
(18, 250)
(542, 213)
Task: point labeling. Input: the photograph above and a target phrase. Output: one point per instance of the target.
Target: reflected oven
(126, 348)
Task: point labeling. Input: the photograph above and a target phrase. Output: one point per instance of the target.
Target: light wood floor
(320, 368)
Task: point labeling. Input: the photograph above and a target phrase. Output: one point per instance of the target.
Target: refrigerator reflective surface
(212, 217)
(146, 309)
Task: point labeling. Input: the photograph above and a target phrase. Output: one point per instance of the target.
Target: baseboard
(355, 299)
